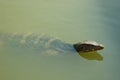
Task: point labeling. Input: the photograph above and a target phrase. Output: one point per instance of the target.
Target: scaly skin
(85, 47)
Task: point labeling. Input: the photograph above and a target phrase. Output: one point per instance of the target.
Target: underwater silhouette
(44, 43)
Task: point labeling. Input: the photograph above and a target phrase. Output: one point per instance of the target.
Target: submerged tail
(35, 41)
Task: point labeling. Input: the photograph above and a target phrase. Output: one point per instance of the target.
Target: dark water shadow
(91, 56)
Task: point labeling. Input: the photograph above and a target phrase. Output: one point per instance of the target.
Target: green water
(70, 20)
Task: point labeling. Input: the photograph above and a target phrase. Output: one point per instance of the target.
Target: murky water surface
(36, 38)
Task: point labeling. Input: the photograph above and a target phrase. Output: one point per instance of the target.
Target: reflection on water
(72, 21)
(91, 56)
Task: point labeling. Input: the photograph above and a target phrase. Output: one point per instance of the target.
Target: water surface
(50, 58)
